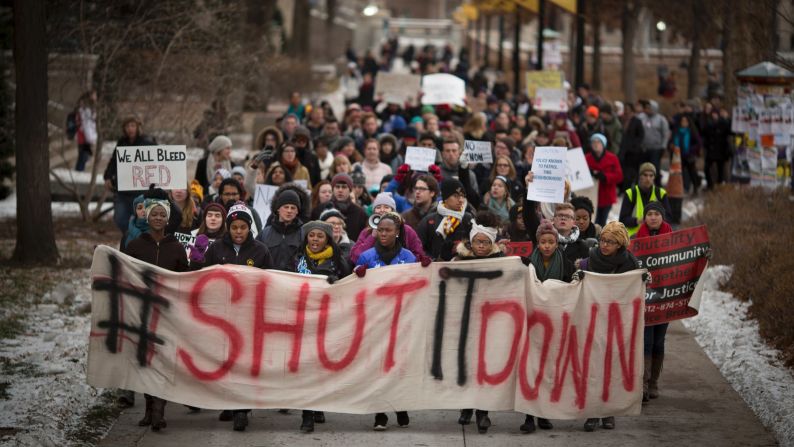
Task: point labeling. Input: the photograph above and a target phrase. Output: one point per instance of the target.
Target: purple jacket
(366, 241)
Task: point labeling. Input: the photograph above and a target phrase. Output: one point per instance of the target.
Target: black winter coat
(437, 247)
(169, 253)
(282, 241)
(252, 253)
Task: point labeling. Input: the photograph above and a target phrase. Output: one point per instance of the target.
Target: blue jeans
(83, 154)
(122, 211)
(654, 339)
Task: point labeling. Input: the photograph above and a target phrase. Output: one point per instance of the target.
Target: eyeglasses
(337, 224)
(481, 243)
(609, 242)
(563, 217)
(421, 188)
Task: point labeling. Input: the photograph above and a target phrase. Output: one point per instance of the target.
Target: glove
(402, 172)
(601, 176)
(425, 260)
(435, 171)
(198, 249)
(331, 279)
(360, 271)
(647, 278)
(577, 275)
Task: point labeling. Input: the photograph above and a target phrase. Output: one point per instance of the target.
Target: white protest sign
(397, 87)
(548, 167)
(419, 158)
(477, 151)
(551, 99)
(577, 171)
(262, 198)
(185, 238)
(140, 166)
(443, 88)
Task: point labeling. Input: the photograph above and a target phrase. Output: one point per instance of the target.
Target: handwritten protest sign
(140, 166)
(419, 158)
(551, 99)
(478, 334)
(185, 238)
(577, 172)
(548, 167)
(397, 87)
(443, 88)
(543, 79)
(477, 151)
(675, 261)
(263, 196)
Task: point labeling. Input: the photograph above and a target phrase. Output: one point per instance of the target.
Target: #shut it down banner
(480, 334)
(675, 261)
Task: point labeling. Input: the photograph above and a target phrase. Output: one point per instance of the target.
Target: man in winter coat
(657, 134)
(442, 229)
(632, 209)
(604, 166)
(282, 233)
(342, 200)
(631, 154)
(453, 169)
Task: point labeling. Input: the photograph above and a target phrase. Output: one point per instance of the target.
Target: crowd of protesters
(346, 202)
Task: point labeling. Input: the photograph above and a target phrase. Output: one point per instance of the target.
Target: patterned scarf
(450, 221)
(570, 239)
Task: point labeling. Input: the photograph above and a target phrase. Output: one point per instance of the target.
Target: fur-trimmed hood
(259, 143)
(306, 203)
(465, 253)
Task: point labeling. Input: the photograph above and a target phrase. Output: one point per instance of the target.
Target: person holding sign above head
(611, 256)
(441, 230)
(639, 196)
(318, 255)
(238, 247)
(165, 251)
(481, 244)
(604, 166)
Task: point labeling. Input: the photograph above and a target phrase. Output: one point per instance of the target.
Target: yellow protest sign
(543, 79)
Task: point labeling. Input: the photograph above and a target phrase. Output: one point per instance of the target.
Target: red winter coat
(609, 165)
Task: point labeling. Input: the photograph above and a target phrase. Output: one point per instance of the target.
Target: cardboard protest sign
(397, 87)
(443, 88)
(523, 249)
(140, 166)
(543, 79)
(263, 196)
(675, 261)
(551, 99)
(419, 158)
(477, 151)
(479, 334)
(548, 167)
(577, 172)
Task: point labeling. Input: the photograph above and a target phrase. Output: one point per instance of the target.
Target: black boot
(646, 378)
(465, 417)
(319, 417)
(402, 419)
(545, 424)
(657, 364)
(608, 422)
(529, 424)
(381, 420)
(240, 420)
(483, 421)
(193, 410)
(147, 416)
(307, 421)
(226, 415)
(158, 413)
(590, 424)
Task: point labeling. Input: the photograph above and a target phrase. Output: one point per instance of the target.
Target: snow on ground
(45, 369)
(8, 208)
(732, 341)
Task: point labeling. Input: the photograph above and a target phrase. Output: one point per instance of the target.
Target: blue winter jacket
(371, 259)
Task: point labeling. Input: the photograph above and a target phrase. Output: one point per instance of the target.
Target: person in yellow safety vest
(639, 195)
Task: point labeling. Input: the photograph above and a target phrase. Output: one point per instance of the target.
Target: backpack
(71, 125)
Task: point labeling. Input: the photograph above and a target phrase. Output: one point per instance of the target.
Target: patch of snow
(8, 208)
(45, 367)
(732, 341)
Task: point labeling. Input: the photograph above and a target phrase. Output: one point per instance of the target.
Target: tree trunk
(299, 42)
(35, 232)
(628, 70)
(595, 78)
(693, 70)
(487, 56)
(501, 65)
(728, 50)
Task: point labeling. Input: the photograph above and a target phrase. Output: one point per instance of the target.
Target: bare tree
(35, 232)
(628, 24)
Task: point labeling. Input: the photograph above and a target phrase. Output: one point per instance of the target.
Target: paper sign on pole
(140, 166)
(262, 199)
(551, 99)
(443, 88)
(577, 172)
(419, 158)
(548, 168)
(543, 79)
(397, 87)
(477, 151)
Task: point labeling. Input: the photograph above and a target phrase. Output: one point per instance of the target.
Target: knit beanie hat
(384, 198)
(214, 206)
(138, 200)
(647, 166)
(318, 225)
(331, 212)
(239, 170)
(220, 142)
(450, 187)
(655, 206)
(241, 212)
(592, 111)
(342, 178)
(618, 232)
(224, 173)
(288, 197)
(546, 227)
(358, 177)
(600, 137)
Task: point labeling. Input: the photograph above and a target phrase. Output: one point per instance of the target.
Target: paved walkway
(697, 407)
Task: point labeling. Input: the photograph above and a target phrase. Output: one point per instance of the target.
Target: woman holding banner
(318, 255)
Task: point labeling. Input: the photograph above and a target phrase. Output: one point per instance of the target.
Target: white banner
(548, 167)
(140, 166)
(443, 88)
(477, 151)
(479, 334)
